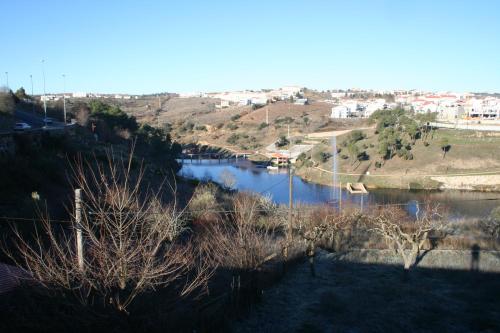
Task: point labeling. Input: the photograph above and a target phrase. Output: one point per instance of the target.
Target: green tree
(282, 141)
(306, 121)
(156, 143)
(7, 103)
(21, 93)
(113, 116)
(353, 151)
(390, 140)
(383, 149)
(445, 145)
(412, 130)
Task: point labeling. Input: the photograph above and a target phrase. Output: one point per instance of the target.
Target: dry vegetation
(214, 251)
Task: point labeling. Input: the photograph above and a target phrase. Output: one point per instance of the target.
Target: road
(472, 127)
(35, 120)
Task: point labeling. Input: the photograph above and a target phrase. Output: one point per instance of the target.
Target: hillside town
(449, 106)
(350, 103)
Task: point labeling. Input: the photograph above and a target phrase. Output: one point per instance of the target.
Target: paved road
(35, 120)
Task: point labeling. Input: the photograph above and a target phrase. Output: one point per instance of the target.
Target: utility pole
(267, 115)
(78, 217)
(32, 95)
(7, 76)
(290, 213)
(340, 197)
(44, 97)
(64, 97)
(159, 103)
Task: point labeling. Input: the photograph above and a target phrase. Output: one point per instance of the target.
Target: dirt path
(330, 134)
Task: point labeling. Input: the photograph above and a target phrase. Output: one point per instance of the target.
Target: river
(249, 177)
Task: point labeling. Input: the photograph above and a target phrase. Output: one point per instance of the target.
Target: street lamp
(64, 97)
(32, 95)
(44, 97)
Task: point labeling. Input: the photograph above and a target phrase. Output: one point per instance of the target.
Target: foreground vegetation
(146, 259)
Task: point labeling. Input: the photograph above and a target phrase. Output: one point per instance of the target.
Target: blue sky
(152, 46)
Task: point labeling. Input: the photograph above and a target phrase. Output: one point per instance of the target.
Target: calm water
(275, 184)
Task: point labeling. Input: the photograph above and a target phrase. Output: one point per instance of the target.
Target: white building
(487, 108)
(301, 101)
(80, 95)
(47, 98)
(341, 112)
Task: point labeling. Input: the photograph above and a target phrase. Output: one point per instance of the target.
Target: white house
(340, 112)
(301, 101)
(47, 98)
(80, 95)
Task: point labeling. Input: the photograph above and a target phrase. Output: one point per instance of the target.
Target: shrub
(262, 126)
(491, 225)
(283, 120)
(232, 126)
(235, 117)
(227, 179)
(7, 103)
(233, 139)
(131, 242)
(282, 141)
(239, 243)
(187, 127)
(201, 128)
(322, 156)
(356, 136)
(203, 203)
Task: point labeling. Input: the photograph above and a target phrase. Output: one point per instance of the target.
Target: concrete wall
(487, 261)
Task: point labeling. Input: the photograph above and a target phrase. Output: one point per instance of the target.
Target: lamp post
(44, 97)
(64, 97)
(32, 96)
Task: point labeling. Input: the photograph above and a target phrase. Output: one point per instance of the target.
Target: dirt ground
(359, 297)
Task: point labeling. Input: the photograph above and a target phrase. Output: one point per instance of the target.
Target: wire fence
(298, 208)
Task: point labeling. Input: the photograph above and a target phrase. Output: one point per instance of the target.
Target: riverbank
(468, 164)
(482, 182)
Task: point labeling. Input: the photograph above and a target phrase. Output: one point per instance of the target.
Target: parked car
(21, 127)
(48, 121)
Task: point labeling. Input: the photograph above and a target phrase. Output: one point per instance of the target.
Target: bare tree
(82, 113)
(228, 180)
(404, 235)
(491, 224)
(237, 239)
(130, 241)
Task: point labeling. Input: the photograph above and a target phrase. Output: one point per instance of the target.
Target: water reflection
(275, 183)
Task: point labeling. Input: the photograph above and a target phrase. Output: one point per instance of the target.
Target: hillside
(474, 153)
